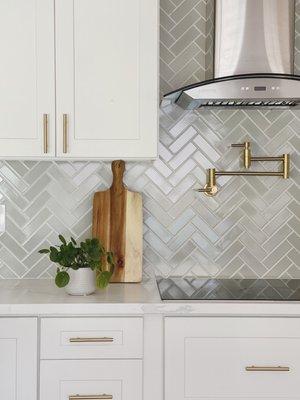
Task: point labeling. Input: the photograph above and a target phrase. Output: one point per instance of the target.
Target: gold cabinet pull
(91, 397)
(91, 340)
(255, 368)
(45, 127)
(65, 133)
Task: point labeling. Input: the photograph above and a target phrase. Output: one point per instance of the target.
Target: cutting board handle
(118, 168)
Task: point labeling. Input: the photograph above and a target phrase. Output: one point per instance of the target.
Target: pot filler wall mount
(211, 188)
(253, 68)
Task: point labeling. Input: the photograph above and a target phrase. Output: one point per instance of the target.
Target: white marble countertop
(42, 298)
(38, 296)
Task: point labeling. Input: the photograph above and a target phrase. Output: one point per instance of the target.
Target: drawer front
(236, 358)
(91, 379)
(75, 338)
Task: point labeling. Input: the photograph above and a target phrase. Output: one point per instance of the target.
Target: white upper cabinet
(18, 358)
(107, 78)
(27, 86)
(97, 60)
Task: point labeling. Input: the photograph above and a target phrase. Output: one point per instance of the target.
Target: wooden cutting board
(118, 223)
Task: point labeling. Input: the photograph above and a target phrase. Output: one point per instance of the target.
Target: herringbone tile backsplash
(252, 227)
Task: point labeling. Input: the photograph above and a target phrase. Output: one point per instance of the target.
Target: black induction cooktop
(193, 288)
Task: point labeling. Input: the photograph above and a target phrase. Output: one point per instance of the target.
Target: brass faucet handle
(245, 145)
(247, 152)
(238, 145)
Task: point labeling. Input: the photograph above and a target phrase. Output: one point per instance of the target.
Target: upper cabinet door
(107, 78)
(27, 88)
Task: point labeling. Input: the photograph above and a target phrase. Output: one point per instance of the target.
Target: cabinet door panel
(107, 77)
(18, 358)
(26, 77)
(126, 336)
(8, 367)
(118, 380)
(209, 358)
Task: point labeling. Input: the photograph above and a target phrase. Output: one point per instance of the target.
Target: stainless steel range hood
(254, 59)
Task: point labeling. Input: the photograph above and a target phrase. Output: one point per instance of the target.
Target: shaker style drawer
(232, 358)
(75, 338)
(91, 380)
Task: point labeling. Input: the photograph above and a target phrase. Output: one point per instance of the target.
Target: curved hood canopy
(240, 91)
(254, 59)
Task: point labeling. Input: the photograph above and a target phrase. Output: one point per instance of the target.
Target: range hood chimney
(254, 59)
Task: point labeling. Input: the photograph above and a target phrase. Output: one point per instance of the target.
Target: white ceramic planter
(82, 282)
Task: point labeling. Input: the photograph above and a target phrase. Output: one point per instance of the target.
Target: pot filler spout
(253, 59)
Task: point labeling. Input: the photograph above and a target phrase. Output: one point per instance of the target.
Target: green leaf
(110, 258)
(103, 279)
(62, 279)
(54, 255)
(73, 241)
(95, 242)
(111, 269)
(54, 258)
(44, 251)
(92, 266)
(62, 239)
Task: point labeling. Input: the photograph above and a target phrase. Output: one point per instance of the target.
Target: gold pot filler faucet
(211, 189)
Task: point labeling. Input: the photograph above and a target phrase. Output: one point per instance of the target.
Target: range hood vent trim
(210, 94)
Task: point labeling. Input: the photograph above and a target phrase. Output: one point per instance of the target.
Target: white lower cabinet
(91, 379)
(18, 358)
(121, 358)
(232, 358)
(86, 338)
(91, 358)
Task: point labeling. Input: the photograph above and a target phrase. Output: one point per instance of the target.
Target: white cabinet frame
(18, 358)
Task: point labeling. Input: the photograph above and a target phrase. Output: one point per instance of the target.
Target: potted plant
(81, 267)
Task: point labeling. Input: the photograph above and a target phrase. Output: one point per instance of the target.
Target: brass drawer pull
(65, 133)
(254, 368)
(45, 127)
(91, 340)
(91, 397)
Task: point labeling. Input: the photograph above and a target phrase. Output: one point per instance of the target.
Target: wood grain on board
(118, 223)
